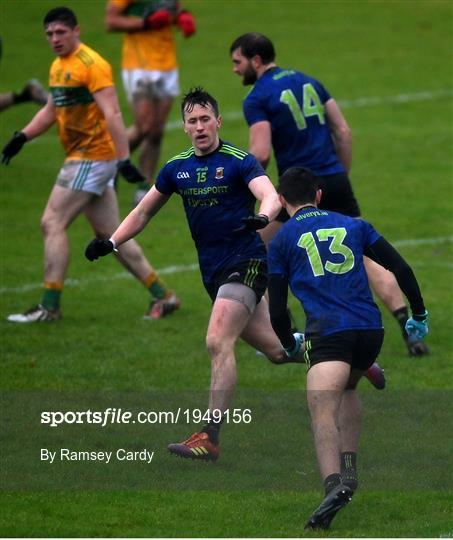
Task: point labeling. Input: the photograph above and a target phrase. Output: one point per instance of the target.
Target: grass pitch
(389, 66)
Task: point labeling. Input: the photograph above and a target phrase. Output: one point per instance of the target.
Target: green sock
(51, 298)
(158, 289)
(156, 286)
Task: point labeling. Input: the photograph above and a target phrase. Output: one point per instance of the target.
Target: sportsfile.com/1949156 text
(112, 415)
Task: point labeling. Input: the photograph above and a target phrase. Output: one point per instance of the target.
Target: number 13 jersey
(321, 254)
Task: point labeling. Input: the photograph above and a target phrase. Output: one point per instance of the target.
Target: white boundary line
(370, 101)
(422, 241)
(355, 103)
(176, 269)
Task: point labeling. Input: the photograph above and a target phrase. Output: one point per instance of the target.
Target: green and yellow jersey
(81, 124)
(147, 49)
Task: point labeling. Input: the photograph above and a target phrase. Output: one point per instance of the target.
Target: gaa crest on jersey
(219, 173)
(67, 76)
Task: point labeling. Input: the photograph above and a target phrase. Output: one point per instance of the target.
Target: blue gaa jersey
(214, 190)
(293, 103)
(320, 253)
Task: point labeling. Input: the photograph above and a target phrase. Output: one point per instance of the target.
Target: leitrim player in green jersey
(319, 254)
(219, 185)
(150, 70)
(84, 105)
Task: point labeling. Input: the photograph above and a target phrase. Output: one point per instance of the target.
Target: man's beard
(249, 76)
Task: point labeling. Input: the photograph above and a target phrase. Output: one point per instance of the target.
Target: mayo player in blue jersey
(295, 115)
(319, 254)
(219, 185)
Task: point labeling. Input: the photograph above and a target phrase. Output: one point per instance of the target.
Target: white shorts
(151, 84)
(90, 176)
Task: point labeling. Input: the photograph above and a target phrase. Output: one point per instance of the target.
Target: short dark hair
(198, 96)
(63, 15)
(252, 44)
(298, 185)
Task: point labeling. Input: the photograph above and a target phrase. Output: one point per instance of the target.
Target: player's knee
(50, 224)
(217, 346)
(213, 344)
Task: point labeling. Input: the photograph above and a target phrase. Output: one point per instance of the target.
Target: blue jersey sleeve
(254, 110)
(370, 235)
(164, 182)
(251, 168)
(276, 259)
(323, 94)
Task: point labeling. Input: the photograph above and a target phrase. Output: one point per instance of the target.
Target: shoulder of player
(233, 152)
(55, 64)
(353, 225)
(362, 224)
(269, 83)
(89, 57)
(182, 156)
(226, 149)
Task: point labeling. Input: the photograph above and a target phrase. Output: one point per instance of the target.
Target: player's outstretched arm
(130, 227)
(264, 191)
(136, 221)
(41, 122)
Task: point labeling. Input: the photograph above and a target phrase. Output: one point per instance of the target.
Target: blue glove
(294, 351)
(417, 325)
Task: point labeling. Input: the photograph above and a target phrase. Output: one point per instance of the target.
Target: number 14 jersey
(293, 104)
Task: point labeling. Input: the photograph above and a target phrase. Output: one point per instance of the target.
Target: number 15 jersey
(215, 192)
(320, 253)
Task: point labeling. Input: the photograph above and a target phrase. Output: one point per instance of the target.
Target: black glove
(129, 171)
(13, 147)
(98, 248)
(253, 223)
